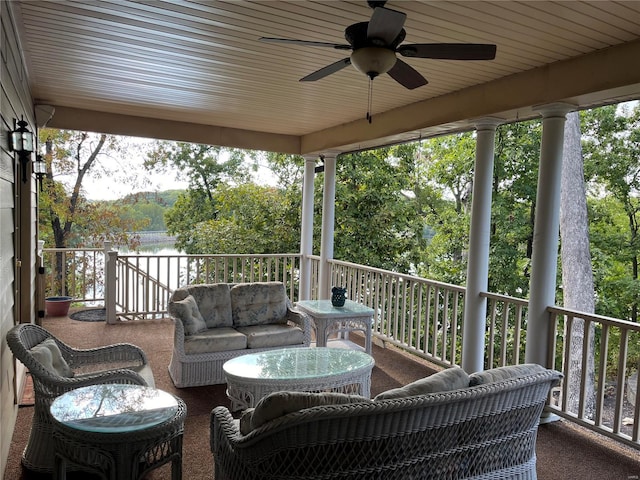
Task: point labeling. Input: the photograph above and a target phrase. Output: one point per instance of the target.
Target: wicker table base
(117, 446)
(251, 377)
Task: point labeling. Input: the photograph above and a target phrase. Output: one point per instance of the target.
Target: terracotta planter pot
(58, 306)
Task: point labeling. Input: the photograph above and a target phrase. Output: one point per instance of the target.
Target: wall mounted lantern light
(21, 142)
(40, 169)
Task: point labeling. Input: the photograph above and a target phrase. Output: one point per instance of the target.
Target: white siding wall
(15, 102)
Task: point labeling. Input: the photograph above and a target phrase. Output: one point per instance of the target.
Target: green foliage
(250, 219)
(611, 143)
(376, 218)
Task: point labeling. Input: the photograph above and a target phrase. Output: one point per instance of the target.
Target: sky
(118, 184)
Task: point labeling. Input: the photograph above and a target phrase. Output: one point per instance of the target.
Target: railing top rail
(506, 298)
(595, 318)
(404, 276)
(72, 249)
(216, 255)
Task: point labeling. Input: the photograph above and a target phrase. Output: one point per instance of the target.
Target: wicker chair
(119, 363)
(481, 432)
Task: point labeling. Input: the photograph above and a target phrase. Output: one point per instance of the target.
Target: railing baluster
(420, 315)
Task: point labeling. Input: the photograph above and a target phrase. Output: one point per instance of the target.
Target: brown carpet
(564, 451)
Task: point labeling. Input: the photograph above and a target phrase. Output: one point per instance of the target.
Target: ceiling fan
(374, 45)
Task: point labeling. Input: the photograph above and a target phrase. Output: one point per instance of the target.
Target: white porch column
(546, 230)
(475, 306)
(328, 218)
(306, 230)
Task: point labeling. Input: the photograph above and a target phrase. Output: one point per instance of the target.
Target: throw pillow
(443, 381)
(187, 311)
(214, 302)
(49, 355)
(245, 421)
(504, 373)
(278, 404)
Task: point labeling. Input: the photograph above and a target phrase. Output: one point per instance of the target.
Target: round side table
(117, 431)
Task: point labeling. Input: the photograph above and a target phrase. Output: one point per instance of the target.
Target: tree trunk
(577, 273)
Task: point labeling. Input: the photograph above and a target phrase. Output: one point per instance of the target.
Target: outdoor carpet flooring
(564, 451)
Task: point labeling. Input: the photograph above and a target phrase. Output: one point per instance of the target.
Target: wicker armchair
(119, 363)
(482, 432)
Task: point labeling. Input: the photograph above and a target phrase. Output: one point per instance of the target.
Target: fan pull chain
(370, 100)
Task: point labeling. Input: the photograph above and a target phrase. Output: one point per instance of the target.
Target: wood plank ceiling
(199, 62)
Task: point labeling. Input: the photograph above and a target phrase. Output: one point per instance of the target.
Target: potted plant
(58, 306)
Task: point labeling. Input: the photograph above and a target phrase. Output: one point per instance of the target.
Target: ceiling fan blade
(406, 75)
(385, 24)
(326, 71)
(449, 51)
(308, 43)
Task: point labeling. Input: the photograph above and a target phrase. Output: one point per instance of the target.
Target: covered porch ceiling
(195, 70)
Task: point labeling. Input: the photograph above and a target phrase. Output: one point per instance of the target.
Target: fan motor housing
(356, 35)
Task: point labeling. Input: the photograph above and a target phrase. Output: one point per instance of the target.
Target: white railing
(421, 316)
(74, 272)
(506, 330)
(610, 348)
(144, 282)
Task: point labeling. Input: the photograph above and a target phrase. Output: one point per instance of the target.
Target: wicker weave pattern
(122, 456)
(482, 432)
(99, 365)
(192, 370)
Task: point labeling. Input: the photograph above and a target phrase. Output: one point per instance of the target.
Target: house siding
(17, 224)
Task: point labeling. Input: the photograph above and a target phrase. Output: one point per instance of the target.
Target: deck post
(475, 311)
(306, 229)
(111, 257)
(546, 231)
(328, 226)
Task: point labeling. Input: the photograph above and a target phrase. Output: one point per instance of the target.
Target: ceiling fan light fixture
(373, 61)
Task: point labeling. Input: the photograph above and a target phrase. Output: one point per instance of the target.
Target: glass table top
(114, 408)
(297, 363)
(321, 308)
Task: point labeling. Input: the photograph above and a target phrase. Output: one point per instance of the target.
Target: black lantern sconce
(21, 142)
(40, 169)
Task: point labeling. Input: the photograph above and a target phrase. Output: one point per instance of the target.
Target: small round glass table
(117, 431)
(253, 376)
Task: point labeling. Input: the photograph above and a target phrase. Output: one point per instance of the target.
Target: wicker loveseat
(217, 322)
(485, 431)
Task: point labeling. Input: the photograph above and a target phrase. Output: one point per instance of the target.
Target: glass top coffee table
(251, 377)
(118, 431)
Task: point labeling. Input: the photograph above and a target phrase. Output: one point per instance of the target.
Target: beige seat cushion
(504, 373)
(189, 314)
(258, 303)
(268, 336)
(443, 381)
(143, 370)
(277, 404)
(48, 354)
(219, 339)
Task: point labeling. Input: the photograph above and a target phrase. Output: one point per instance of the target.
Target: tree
(66, 218)
(205, 167)
(373, 195)
(612, 149)
(250, 219)
(577, 275)
(444, 195)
